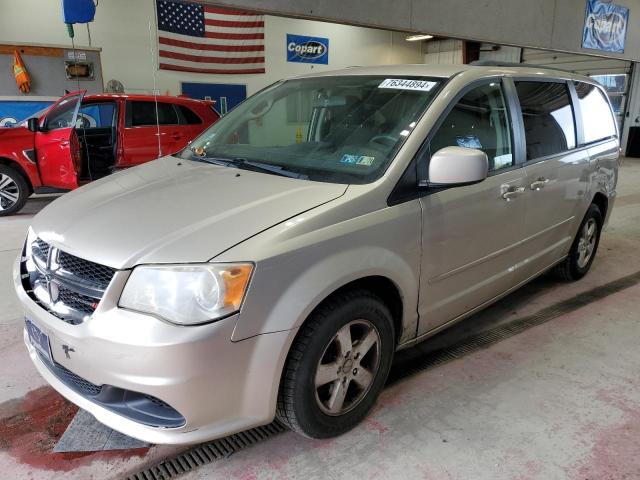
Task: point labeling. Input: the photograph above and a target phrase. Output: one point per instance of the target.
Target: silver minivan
(274, 266)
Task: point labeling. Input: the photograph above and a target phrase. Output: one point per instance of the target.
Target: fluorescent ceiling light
(415, 38)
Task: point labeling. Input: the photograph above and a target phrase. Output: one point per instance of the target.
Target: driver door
(57, 145)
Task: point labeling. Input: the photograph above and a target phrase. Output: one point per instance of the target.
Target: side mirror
(457, 166)
(32, 125)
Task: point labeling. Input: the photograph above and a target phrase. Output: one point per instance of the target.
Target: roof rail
(494, 63)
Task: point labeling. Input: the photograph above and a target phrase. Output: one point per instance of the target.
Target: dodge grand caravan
(264, 273)
(82, 138)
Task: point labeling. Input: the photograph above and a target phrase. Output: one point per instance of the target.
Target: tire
(306, 406)
(576, 265)
(14, 191)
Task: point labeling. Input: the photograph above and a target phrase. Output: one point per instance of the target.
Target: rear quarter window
(143, 114)
(597, 119)
(189, 117)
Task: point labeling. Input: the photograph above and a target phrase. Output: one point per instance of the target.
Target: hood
(15, 131)
(174, 211)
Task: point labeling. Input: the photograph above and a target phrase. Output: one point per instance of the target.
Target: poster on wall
(13, 112)
(304, 49)
(605, 26)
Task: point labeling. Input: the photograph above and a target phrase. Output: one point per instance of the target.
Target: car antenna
(84, 132)
(155, 88)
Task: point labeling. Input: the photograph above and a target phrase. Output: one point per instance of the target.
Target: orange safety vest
(20, 72)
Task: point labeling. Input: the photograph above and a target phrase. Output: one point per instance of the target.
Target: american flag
(201, 38)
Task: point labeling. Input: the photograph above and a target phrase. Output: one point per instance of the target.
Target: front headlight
(187, 294)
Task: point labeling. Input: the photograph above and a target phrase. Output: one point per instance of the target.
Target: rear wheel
(337, 365)
(13, 191)
(583, 250)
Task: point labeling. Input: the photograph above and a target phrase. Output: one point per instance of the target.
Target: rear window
(140, 114)
(597, 120)
(189, 116)
(548, 118)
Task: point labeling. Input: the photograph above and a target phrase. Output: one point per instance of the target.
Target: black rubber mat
(211, 451)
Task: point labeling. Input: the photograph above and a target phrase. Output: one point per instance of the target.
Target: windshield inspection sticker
(357, 160)
(400, 84)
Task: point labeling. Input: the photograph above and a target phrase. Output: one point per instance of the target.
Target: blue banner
(303, 49)
(13, 112)
(605, 26)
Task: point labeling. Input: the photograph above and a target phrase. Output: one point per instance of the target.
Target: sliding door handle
(539, 183)
(512, 192)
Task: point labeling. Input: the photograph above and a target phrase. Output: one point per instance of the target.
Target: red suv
(82, 138)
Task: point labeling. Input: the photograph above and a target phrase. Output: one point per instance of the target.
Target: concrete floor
(561, 400)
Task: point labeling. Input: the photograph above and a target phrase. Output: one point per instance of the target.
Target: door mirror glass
(457, 166)
(32, 124)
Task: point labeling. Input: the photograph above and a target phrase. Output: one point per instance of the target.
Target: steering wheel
(387, 140)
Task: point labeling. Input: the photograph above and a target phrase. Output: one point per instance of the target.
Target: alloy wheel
(587, 242)
(9, 192)
(347, 367)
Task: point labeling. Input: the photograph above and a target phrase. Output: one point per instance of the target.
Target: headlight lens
(187, 294)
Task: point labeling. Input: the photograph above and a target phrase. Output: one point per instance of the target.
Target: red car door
(57, 145)
(143, 129)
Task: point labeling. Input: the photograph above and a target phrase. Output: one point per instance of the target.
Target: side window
(479, 120)
(189, 116)
(549, 125)
(142, 114)
(597, 120)
(96, 115)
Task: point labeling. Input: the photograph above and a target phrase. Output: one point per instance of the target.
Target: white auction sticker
(405, 84)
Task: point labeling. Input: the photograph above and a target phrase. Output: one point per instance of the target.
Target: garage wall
(121, 29)
(583, 64)
(443, 51)
(548, 24)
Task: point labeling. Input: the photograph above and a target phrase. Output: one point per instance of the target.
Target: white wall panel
(443, 51)
(586, 65)
(121, 29)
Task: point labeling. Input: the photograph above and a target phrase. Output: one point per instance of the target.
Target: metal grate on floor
(207, 453)
(215, 450)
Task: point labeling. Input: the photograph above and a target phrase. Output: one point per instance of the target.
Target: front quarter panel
(302, 261)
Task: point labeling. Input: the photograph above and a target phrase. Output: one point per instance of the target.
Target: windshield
(342, 129)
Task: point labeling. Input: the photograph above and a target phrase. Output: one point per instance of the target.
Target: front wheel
(583, 250)
(13, 191)
(337, 365)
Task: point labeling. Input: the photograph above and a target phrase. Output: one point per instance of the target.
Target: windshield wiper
(267, 167)
(241, 162)
(225, 162)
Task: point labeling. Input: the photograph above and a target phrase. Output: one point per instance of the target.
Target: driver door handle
(539, 183)
(512, 192)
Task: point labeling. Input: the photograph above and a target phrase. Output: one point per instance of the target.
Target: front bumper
(219, 386)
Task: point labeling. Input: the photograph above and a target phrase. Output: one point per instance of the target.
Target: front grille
(93, 273)
(77, 301)
(73, 381)
(136, 406)
(68, 287)
(40, 250)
